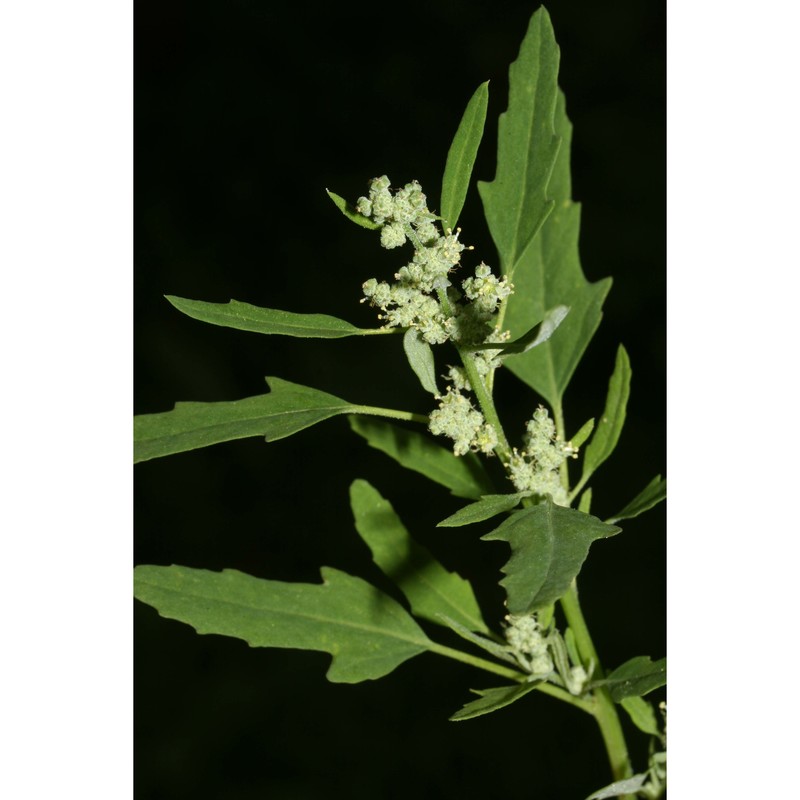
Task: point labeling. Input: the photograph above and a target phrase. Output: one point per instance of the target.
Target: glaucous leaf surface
(245, 317)
(430, 589)
(463, 476)
(549, 544)
(367, 633)
(461, 156)
(287, 409)
(492, 700)
(536, 336)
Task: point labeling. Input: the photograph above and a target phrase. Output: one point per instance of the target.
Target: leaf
(619, 788)
(492, 700)
(583, 433)
(245, 317)
(642, 714)
(429, 587)
(489, 645)
(585, 503)
(650, 496)
(515, 202)
(636, 677)
(420, 357)
(287, 409)
(549, 544)
(350, 212)
(464, 476)
(606, 434)
(534, 223)
(537, 335)
(461, 156)
(487, 507)
(367, 633)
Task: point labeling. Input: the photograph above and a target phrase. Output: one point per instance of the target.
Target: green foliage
(431, 590)
(650, 496)
(367, 633)
(537, 335)
(636, 677)
(245, 317)
(461, 156)
(420, 358)
(492, 700)
(287, 409)
(349, 210)
(535, 226)
(607, 431)
(532, 190)
(641, 713)
(548, 547)
(516, 202)
(464, 477)
(488, 506)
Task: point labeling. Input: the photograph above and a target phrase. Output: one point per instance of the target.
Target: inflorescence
(423, 297)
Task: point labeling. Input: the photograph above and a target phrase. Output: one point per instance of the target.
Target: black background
(244, 113)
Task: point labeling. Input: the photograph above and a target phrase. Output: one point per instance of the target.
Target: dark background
(244, 113)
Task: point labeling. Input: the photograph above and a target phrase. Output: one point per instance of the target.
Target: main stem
(605, 711)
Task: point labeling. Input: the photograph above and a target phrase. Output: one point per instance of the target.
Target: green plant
(536, 319)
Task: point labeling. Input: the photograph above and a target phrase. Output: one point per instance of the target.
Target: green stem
(498, 669)
(376, 411)
(604, 710)
(476, 661)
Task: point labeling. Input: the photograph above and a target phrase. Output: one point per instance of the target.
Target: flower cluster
(424, 298)
(536, 468)
(465, 425)
(414, 300)
(528, 644)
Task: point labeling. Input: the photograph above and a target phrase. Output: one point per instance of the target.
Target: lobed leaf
(608, 429)
(461, 156)
(515, 202)
(636, 677)
(430, 589)
(464, 476)
(367, 633)
(349, 210)
(549, 544)
(547, 271)
(420, 358)
(490, 505)
(287, 409)
(492, 700)
(244, 317)
(650, 496)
